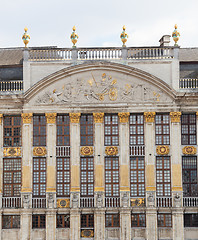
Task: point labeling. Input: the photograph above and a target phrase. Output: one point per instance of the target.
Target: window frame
(162, 126)
(39, 139)
(165, 220)
(139, 224)
(11, 221)
(63, 123)
(39, 224)
(39, 173)
(114, 138)
(111, 216)
(63, 223)
(89, 221)
(87, 139)
(191, 220)
(137, 135)
(188, 125)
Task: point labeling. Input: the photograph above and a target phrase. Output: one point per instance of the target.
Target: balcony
(190, 201)
(38, 202)
(164, 202)
(112, 202)
(87, 202)
(11, 202)
(137, 150)
(188, 83)
(11, 86)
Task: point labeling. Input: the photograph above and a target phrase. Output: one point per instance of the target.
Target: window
(137, 177)
(111, 177)
(136, 126)
(38, 221)
(10, 221)
(138, 220)
(86, 130)
(188, 129)
(87, 221)
(111, 130)
(63, 130)
(162, 129)
(112, 220)
(12, 131)
(189, 173)
(191, 220)
(11, 177)
(39, 177)
(87, 177)
(63, 177)
(39, 130)
(164, 220)
(62, 221)
(163, 176)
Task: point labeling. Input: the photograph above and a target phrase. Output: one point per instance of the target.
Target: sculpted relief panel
(101, 87)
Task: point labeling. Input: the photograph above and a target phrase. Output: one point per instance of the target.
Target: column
(75, 176)
(99, 214)
(1, 169)
(151, 212)
(125, 213)
(176, 166)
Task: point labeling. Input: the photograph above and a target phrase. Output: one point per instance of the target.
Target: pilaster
(26, 224)
(151, 224)
(51, 224)
(75, 224)
(125, 223)
(178, 224)
(99, 224)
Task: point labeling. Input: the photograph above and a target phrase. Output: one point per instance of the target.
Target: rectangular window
(136, 126)
(10, 221)
(163, 176)
(11, 177)
(112, 177)
(38, 221)
(63, 177)
(189, 174)
(137, 177)
(112, 220)
(62, 221)
(111, 130)
(39, 130)
(87, 221)
(86, 130)
(138, 220)
(87, 177)
(191, 220)
(63, 130)
(164, 220)
(188, 129)
(39, 177)
(12, 131)
(162, 129)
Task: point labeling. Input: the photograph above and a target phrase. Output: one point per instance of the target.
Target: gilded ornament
(74, 37)
(63, 203)
(112, 150)
(1, 116)
(27, 117)
(39, 151)
(149, 116)
(175, 116)
(26, 37)
(189, 150)
(12, 152)
(124, 117)
(51, 117)
(124, 36)
(86, 151)
(113, 94)
(175, 35)
(162, 150)
(87, 233)
(137, 202)
(74, 117)
(98, 117)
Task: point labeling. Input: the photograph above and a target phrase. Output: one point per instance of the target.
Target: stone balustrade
(188, 83)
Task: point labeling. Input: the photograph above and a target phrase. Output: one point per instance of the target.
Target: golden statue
(74, 37)
(175, 35)
(26, 37)
(124, 36)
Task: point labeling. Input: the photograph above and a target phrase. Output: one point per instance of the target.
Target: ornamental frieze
(189, 150)
(86, 151)
(162, 150)
(39, 151)
(12, 152)
(111, 150)
(63, 203)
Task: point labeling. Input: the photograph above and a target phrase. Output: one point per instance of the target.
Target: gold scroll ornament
(98, 117)
(86, 151)
(63, 203)
(149, 116)
(175, 117)
(124, 117)
(87, 233)
(27, 117)
(39, 151)
(74, 117)
(162, 150)
(112, 150)
(51, 117)
(189, 150)
(12, 152)
(137, 202)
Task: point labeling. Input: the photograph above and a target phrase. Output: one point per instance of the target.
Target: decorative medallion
(175, 117)
(86, 151)
(27, 117)
(74, 117)
(112, 150)
(137, 202)
(39, 151)
(98, 117)
(149, 116)
(162, 150)
(189, 150)
(124, 117)
(1, 116)
(63, 203)
(12, 152)
(51, 117)
(87, 233)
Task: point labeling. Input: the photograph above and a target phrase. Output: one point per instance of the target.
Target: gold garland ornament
(12, 152)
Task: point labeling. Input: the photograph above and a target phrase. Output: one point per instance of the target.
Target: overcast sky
(98, 23)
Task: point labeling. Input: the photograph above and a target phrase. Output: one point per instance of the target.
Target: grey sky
(98, 23)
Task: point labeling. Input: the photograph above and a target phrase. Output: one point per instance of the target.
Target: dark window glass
(38, 221)
(136, 126)
(164, 220)
(63, 130)
(191, 220)
(87, 221)
(39, 177)
(112, 220)
(10, 221)
(62, 221)
(12, 131)
(162, 129)
(188, 129)
(86, 130)
(39, 130)
(138, 220)
(111, 130)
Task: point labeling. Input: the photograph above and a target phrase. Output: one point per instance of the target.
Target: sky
(98, 23)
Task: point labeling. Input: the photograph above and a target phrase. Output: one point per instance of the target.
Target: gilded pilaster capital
(74, 117)
(27, 117)
(175, 117)
(197, 114)
(124, 117)
(149, 116)
(51, 117)
(98, 117)
(1, 116)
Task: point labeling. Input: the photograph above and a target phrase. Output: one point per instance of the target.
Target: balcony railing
(11, 202)
(190, 201)
(63, 151)
(164, 201)
(188, 83)
(10, 86)
(137, 150)
(112, 202)
(87, 202)
(38, 202)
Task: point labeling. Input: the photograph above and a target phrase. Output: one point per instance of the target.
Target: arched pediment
(99, 83)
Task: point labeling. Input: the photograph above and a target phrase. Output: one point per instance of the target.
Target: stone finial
(26, 37)
(124, 36)
(175, 35)
(74, 37)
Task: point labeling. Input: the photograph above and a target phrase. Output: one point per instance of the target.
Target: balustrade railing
(137, 150)
(99, 53)
(112, 202)
(11, 202)
(9, 86)
(190, 201)
(63, 151)
(164, 201)
(188, 83)
(87, 202)
(38, 202)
